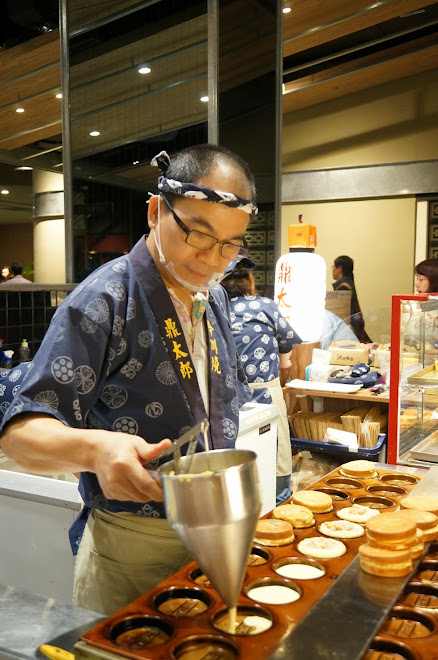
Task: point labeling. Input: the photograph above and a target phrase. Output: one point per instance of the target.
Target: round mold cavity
(334, 493)
(420, 595)
(428, 572)
(298, 568)
(374, 501)
(399, 479)
(140, 632)
(250, 620)
(387, 490)
(384, 649)
(199, 578)
(206, 646)
(258, 556)
(433, 550)
(272, 591)
(182, 601)
(408, 624)
(344, 482)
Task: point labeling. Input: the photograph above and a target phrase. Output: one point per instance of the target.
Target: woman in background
(342, 272)
(264, 341)
(426, 276)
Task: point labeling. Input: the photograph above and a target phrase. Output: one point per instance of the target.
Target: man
(140, 351)
(342, 273)
(17, 277)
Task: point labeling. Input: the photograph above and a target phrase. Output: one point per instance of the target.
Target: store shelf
(361, 395)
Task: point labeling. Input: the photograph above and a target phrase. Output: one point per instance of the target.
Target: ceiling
(331, 48)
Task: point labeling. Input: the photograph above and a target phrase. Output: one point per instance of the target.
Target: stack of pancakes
(392, 542)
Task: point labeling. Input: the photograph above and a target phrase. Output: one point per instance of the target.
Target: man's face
(421, 284)
(218, 220)
(5, 272)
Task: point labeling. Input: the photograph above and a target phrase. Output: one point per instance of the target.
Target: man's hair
(17, 267)
(191, 164)
(347, 264)
(429, 268)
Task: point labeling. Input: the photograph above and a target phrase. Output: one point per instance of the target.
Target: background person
(16, 270)
(141, 350)
(342, 273)
(264, 341)
(426, 276)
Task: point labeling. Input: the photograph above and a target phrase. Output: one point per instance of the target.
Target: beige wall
(16, 243)
(397, 122)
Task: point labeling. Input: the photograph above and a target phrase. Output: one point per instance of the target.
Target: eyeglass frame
(222, 244)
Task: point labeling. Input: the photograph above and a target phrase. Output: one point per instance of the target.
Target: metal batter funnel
(214, 510)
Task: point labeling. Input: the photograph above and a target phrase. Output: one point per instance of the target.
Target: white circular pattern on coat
(88, 326)
(254, 304)
(2, 389)
(116, 289)
(97, 310)
(282, 322)
(114, 396)
(265, 339)
(232, 317)
(246, 339)
(258, 328)
(60, 335)
(259, 379)
(4, 406)
(259, 353)
(122, 346)
(85, 379)
(237, 327)
(131, 309)
(145, 338)
(14, 375)
(165, 373)
(120, 267)
(266, 394)
(267, 300)
(274, 356)
(47, 399)
(251, 369)
(244, 357)
(250, 297)
(15, 389)
(246, 317)
(126, 425)
(154, 409)
(229, 381)
(235, 405)
(264, 366)
(239, 307)
(62, 369)
(275, 315)
(290, 334)
(261, 316)
(230, 429)
(275, 342)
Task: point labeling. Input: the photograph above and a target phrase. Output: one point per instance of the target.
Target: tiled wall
(26, 311)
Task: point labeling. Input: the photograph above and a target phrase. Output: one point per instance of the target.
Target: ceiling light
(135, 162)
(204, 99)
(4, 191)
(286, 10)
(144, 69)
(59, 95)
(23, 168)
(94, 133)
(20, 109)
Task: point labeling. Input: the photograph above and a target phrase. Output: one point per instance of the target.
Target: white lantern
(300, 283)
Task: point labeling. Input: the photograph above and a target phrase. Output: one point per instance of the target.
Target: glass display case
(413, 401)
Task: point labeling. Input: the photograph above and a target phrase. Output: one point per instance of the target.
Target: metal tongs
(190, 437)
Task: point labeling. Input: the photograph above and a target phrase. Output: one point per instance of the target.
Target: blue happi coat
(114, 357)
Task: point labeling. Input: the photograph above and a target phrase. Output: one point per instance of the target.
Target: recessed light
(94, 133)
(204, 99)
(4, 191)
(144, 69)
(135, 162)
(59, 95)
(286, 10)
(23, 168)
(19, 109)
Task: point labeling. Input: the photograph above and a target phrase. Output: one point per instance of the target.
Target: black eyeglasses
(203, 241)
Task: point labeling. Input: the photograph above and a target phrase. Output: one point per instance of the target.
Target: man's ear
(153, 205)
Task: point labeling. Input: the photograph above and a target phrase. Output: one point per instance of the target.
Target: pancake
(321, 548)
(420, 502)
(341, 529)
(314, 500)
(298, 516)
(383, 562)
(392, 530)
(274, 532)
(357, 513)
(359, 469)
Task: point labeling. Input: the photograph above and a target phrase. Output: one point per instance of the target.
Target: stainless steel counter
(28, 620)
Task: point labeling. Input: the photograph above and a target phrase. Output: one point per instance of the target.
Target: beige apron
(121, 556)
(284, 451)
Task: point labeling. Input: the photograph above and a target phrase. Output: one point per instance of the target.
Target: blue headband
(194, 191)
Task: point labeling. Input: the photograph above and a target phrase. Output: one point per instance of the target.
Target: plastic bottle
(8, 359)
(24, 351)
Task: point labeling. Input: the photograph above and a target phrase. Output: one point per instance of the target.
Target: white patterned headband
(186, 189)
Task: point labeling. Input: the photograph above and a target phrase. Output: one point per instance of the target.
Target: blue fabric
(334, 329)
(104, 363)
(10, 383)
(261, 333)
